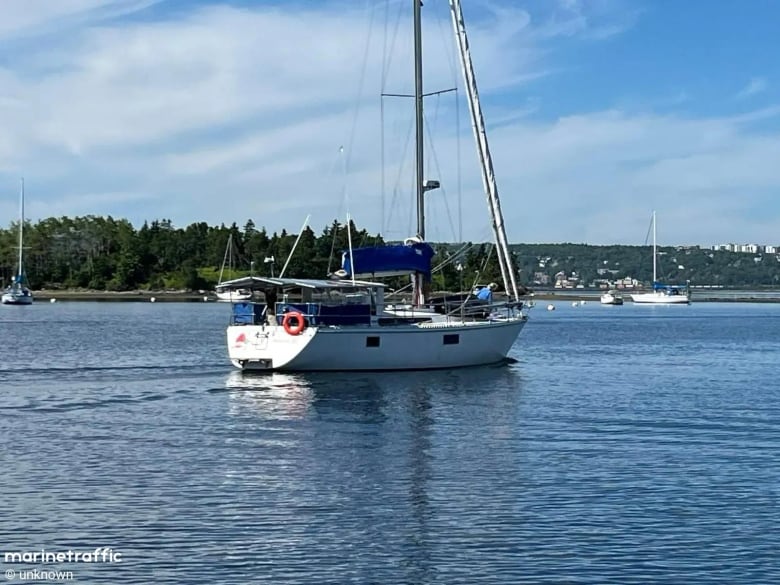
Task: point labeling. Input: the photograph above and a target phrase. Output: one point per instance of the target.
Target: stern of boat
(265, 347)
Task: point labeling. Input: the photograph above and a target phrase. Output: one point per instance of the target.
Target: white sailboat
(611, 297)
(342, 323)
(662, 294)
(17, 293)
(228, 294)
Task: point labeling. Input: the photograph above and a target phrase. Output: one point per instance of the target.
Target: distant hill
(103, 253)
(592, 265)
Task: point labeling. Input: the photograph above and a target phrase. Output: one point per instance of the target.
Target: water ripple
(601, 455)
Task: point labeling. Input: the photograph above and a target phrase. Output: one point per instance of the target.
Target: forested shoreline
(107, 254)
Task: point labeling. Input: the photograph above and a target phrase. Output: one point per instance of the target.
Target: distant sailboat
(226, 294)
(17, 292)
(612, 297)
(662, 294)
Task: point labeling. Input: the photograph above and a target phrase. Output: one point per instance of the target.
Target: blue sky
(598, 112)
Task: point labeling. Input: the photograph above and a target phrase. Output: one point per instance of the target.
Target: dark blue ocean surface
(625, 445)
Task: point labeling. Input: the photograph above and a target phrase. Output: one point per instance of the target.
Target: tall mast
(418, 109)
(486, 161)
(418, 280)
(655, 277)
(21, 228)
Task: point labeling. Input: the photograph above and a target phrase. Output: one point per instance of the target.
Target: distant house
(541, 278)
(564, 281)
(603, 271)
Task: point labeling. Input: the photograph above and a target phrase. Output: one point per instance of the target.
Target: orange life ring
(298, 326)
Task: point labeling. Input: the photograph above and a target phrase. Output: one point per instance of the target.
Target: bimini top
(263, 283)
(389, 260)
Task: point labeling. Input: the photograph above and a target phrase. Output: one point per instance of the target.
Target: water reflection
(355, 452)
(421, 422)
(367, 396)
(270, 395)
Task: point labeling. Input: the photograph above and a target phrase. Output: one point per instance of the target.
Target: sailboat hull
(233, 296)
(660, 298)
(414, 347)
(17, 298)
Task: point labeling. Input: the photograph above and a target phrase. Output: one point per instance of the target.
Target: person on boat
(486, 293)
(270, 305)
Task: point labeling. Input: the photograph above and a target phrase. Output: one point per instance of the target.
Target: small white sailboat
(662, 294)
(17, 293)
(612, 297)
(343, 323)
(227, 294)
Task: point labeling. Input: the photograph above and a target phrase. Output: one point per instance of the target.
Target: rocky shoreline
(140, 296)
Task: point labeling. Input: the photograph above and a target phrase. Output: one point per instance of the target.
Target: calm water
(626, 445)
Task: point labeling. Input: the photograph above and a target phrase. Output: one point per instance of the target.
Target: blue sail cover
(661, 286)
(389, 260)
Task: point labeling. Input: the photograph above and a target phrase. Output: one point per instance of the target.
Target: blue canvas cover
(389, 260)
(661, 286)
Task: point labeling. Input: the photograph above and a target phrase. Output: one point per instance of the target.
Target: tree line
(103, 253)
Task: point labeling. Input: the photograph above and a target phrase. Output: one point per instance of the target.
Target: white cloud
(755, 85)
(25, 18)
(221, 114)
(594, 178)
(587, 20)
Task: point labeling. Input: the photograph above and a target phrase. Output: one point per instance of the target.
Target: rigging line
(331, 171)
(452, 257)
(333, 245)
(452, 59)
(346, 205)
(429, 126)
(353, 129)
(649, 231)
(361, 84)
(448, 48)
(487, 258)
(383, 82)
(339, 209)
(435, 159)
(295, 245)
(387, 62)
(459, 178)
(349, 243)
(387, 55)
(383, 75)
(393, 202)
(411, 208)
